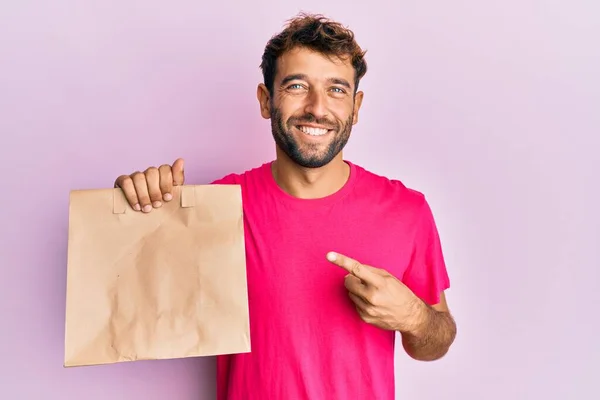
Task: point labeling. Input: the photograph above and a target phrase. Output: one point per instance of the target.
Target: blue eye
(295, 86)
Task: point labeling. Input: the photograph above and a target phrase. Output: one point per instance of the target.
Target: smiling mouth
(312, 131)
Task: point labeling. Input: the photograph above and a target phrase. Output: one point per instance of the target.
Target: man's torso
(308, 341)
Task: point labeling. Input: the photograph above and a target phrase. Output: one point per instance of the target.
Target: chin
(307, 161)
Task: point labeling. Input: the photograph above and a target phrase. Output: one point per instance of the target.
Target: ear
(262, 94)
(358, 98)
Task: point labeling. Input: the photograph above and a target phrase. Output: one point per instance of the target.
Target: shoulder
(407, 206)
(241, 178)
(386, 190)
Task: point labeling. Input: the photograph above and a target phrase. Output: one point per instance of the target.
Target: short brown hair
(318, 33)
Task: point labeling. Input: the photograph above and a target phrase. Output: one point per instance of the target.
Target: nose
(316, 104)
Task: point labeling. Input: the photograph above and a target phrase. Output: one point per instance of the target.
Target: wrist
(419, 318)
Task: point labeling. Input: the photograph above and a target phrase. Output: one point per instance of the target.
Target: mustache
(311, 119)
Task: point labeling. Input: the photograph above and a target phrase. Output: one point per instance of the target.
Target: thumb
(178, 172)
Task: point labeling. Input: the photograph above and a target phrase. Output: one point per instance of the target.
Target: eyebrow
(337, 81)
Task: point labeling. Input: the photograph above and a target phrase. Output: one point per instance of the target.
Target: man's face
(313, 106)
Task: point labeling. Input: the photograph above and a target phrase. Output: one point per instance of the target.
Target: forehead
(314, 65)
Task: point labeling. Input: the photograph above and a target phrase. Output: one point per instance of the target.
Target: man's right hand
(147, 190)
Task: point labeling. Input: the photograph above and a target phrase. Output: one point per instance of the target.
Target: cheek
(343, 110)
(287, 109)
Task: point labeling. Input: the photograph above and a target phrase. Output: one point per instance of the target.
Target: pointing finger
(357, 269)
(350, 265)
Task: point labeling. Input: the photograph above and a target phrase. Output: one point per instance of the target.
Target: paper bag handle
(120, 204)
(188, 196)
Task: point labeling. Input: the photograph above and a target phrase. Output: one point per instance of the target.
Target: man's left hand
(380, 298)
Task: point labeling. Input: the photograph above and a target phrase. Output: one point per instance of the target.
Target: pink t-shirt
(307, 339)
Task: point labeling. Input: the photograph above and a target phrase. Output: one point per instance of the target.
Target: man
(338, 258)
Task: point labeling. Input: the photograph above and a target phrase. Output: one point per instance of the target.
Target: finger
(364, 310)
(379, 271)
(126, 184)
(178, 173)
(357, 269)
(141, 188)
(361, 306)
(355, 286)
(153, 182)
(166, 182)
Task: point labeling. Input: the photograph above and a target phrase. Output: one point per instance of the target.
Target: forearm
(432, 334)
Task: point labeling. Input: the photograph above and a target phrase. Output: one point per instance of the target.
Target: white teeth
(313, 131)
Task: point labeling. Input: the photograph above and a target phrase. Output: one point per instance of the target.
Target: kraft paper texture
(167, 284)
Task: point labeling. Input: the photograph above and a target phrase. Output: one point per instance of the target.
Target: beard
(311, 155)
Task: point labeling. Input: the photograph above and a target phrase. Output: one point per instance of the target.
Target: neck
(310, 183)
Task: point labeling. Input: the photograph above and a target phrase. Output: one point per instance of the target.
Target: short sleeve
(426, 274)
(231, 179)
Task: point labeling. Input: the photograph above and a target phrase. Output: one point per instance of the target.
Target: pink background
(491, 108)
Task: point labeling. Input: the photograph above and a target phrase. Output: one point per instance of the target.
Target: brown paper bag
(167, 284)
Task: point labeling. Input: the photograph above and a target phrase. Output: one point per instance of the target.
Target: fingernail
(331, 256)
(137, 207)
(156, 204)
(147, 208)
(168, 196)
